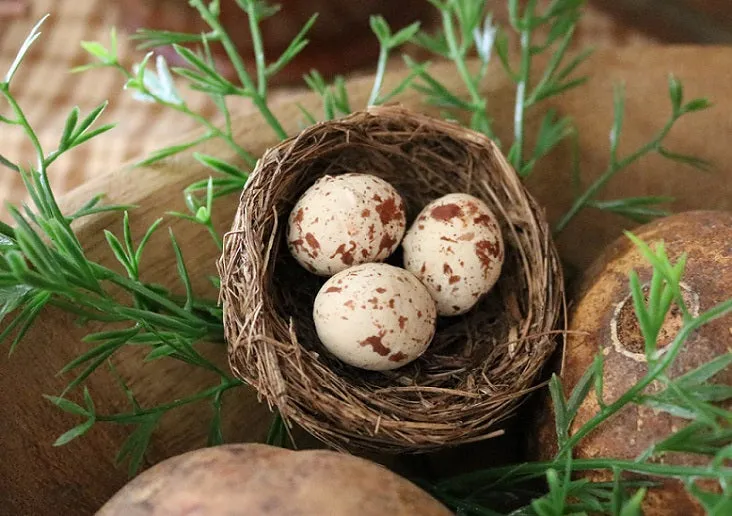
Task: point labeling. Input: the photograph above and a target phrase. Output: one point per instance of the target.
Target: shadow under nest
(478, 367)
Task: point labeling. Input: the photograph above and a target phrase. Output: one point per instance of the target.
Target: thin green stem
(137, 287)
(238, 64)
(76, 310)
(380, 72)
(43, 173)
(22, 120)
(520, 104)
(236, 60)
(550, 70)
(527, 471)
(585, 198)
(6, 230)
(214, 131)
(613, 168)
(258, 49)
(216, 237)
(130, 417)
(459, 58)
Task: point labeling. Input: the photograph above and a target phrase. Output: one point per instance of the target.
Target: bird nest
(478, 367)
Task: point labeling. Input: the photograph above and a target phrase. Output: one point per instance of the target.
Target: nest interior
(479, 365)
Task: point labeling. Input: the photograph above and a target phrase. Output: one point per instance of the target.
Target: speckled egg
(375, 316)
(345, 220)
(456, 249)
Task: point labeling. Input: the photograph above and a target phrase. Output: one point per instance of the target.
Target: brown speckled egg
(375, 316)
(456, 249)
(345, 220)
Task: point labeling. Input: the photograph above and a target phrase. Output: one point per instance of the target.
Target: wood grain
(673, 21)
(38, 479)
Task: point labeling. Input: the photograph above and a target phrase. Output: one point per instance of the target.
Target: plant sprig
(687, 396)
(640, 209)
(467, 28)
(42, 262)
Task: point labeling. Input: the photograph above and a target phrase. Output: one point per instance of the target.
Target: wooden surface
(673, 21)
(40, 480)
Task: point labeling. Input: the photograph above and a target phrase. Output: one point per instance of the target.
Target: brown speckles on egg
(380, 335)
(398, 357)
(446, 212)
(488, 252)
(346, 254)
(376, 343)
(390, 210)
(297, 244)
(365, 213)
(312, 242)
(456, 250)
(332, 290)
(388, 243)
(299, 216)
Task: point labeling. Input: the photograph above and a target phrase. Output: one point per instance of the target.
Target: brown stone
(599, 322)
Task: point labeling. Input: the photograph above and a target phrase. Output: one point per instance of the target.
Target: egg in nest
(375, 316)
(345, 220)
(456, 249)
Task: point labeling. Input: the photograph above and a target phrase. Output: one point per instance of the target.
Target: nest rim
(272, 348)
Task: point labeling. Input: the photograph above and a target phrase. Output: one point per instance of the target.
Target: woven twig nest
(479, 365)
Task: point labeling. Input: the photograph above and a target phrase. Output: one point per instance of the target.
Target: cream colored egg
(375, 316)
(456, 249)
(345, 220)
